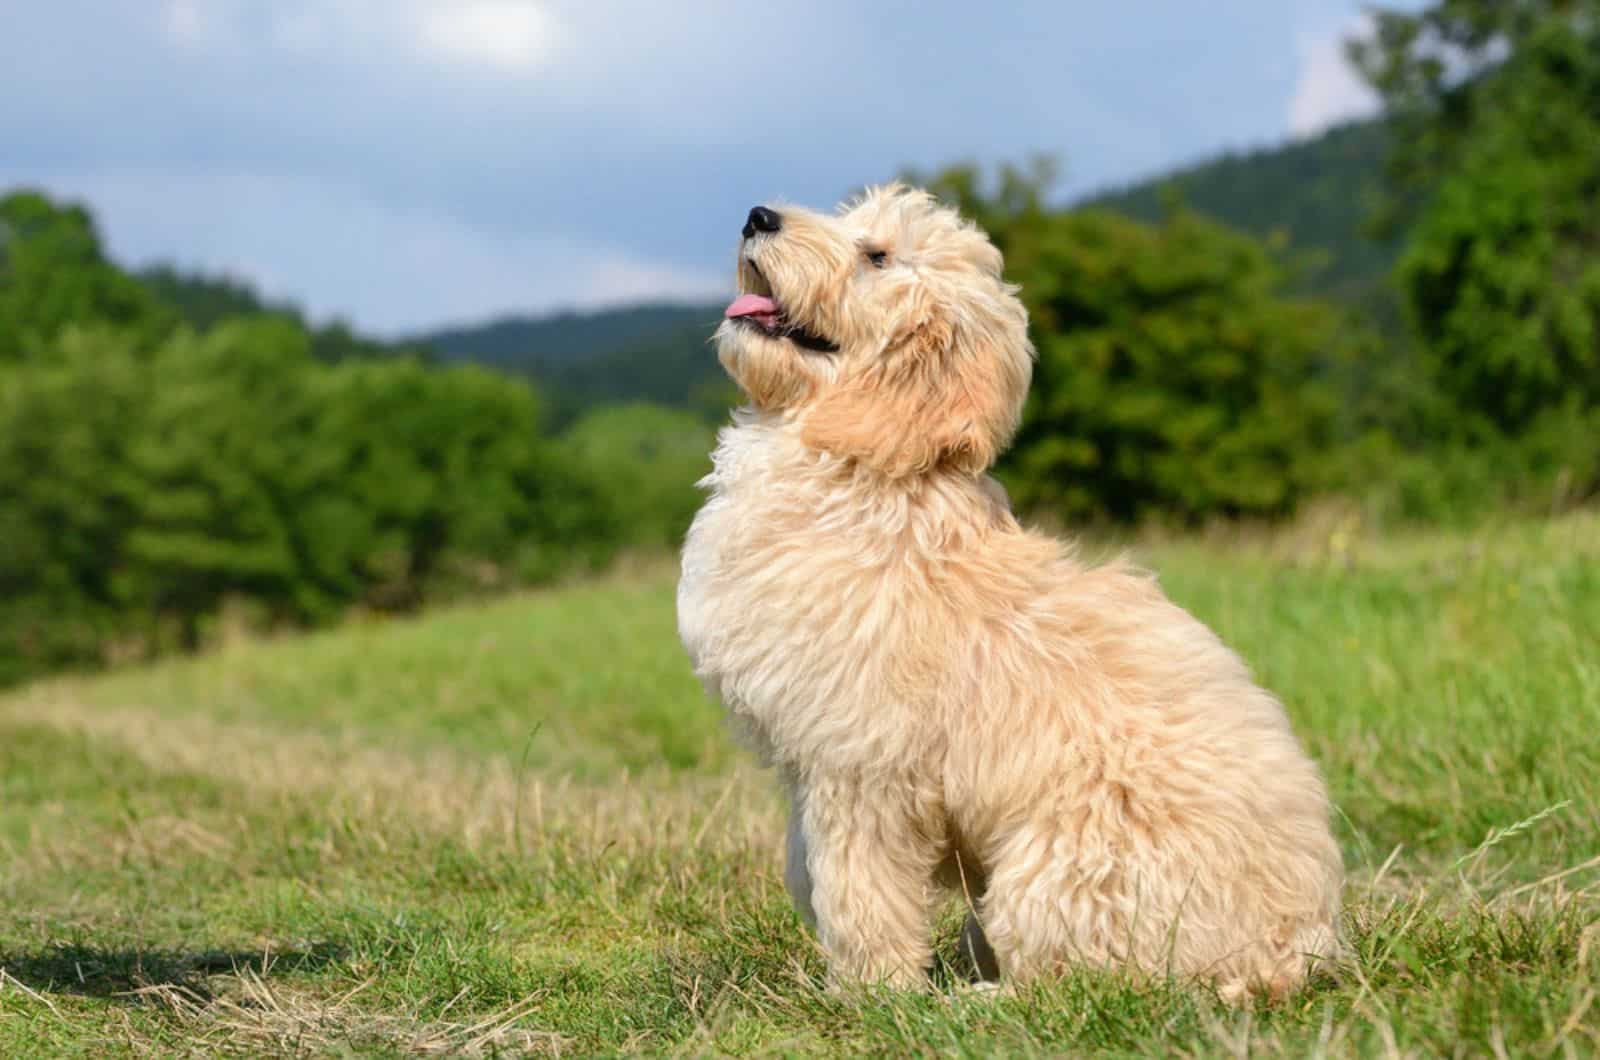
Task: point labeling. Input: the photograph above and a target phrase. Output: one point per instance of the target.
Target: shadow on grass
(119, 974)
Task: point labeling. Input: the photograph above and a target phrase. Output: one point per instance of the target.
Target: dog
(952, 700)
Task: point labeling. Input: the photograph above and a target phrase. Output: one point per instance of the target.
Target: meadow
(520, 828)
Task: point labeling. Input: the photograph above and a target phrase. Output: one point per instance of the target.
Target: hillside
(653, 352)
(656, 353)
(1317, 195)
(675, 366)
(513, 341)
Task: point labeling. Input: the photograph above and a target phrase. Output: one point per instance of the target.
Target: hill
(1317, 196)
(521, 829)
(655, 352)
(514, 341)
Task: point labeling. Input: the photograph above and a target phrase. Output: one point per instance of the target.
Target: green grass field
(520, 828)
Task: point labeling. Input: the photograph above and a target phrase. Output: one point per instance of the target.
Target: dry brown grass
(484, 802)
(245, 1014)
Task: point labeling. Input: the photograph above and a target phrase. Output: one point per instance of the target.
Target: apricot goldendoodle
(951, 698)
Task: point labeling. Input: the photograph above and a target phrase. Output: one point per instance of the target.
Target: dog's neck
(761, 462)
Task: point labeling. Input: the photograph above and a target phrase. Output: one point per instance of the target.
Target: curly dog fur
(949, 697)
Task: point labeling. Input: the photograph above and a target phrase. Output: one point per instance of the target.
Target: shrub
(643, 462)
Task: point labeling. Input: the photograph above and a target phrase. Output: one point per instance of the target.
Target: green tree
(150, 472)
(68, 500)
(1432, 69)
(54, 273)
(1499, 104)
(445, 479)
(221, 462)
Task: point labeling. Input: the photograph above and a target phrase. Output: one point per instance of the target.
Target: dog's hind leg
(1045, 910)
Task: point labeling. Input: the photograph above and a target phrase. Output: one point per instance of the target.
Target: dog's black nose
(761, 220)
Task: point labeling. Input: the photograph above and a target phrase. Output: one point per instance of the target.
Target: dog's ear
(946, 392)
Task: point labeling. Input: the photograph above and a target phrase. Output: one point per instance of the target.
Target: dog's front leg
(870, 869)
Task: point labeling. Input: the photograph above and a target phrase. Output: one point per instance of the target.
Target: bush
(150, 475)
(643, 462)
(445, 483)
(223, 462)
(1175, 378)
(1552, 466)
(139, 493)
(307, 488)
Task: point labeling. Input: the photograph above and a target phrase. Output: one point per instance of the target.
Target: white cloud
(495, 36)
(1328, 90)
(188, 22)
(510, 35)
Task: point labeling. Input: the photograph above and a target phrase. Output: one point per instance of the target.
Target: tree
(223, 464)
(67, 500)
(439, 475)
(54, 273)
(150, 472)
(1432, 69)
(1498, 107)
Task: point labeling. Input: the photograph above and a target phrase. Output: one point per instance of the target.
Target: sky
(405, 164)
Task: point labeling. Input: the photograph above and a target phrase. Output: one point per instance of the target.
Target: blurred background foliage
(1402, 313)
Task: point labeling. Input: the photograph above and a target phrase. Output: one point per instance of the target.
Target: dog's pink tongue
(764, 309)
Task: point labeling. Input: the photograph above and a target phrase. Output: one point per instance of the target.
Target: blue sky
(406, 163)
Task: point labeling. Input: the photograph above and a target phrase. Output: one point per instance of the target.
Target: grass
(520, 829)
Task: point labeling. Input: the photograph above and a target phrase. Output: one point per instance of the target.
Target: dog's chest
(797, 618)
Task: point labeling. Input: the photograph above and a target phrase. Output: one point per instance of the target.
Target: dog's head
(885, 330)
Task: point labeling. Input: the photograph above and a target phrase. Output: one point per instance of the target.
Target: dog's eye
(879, 258)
